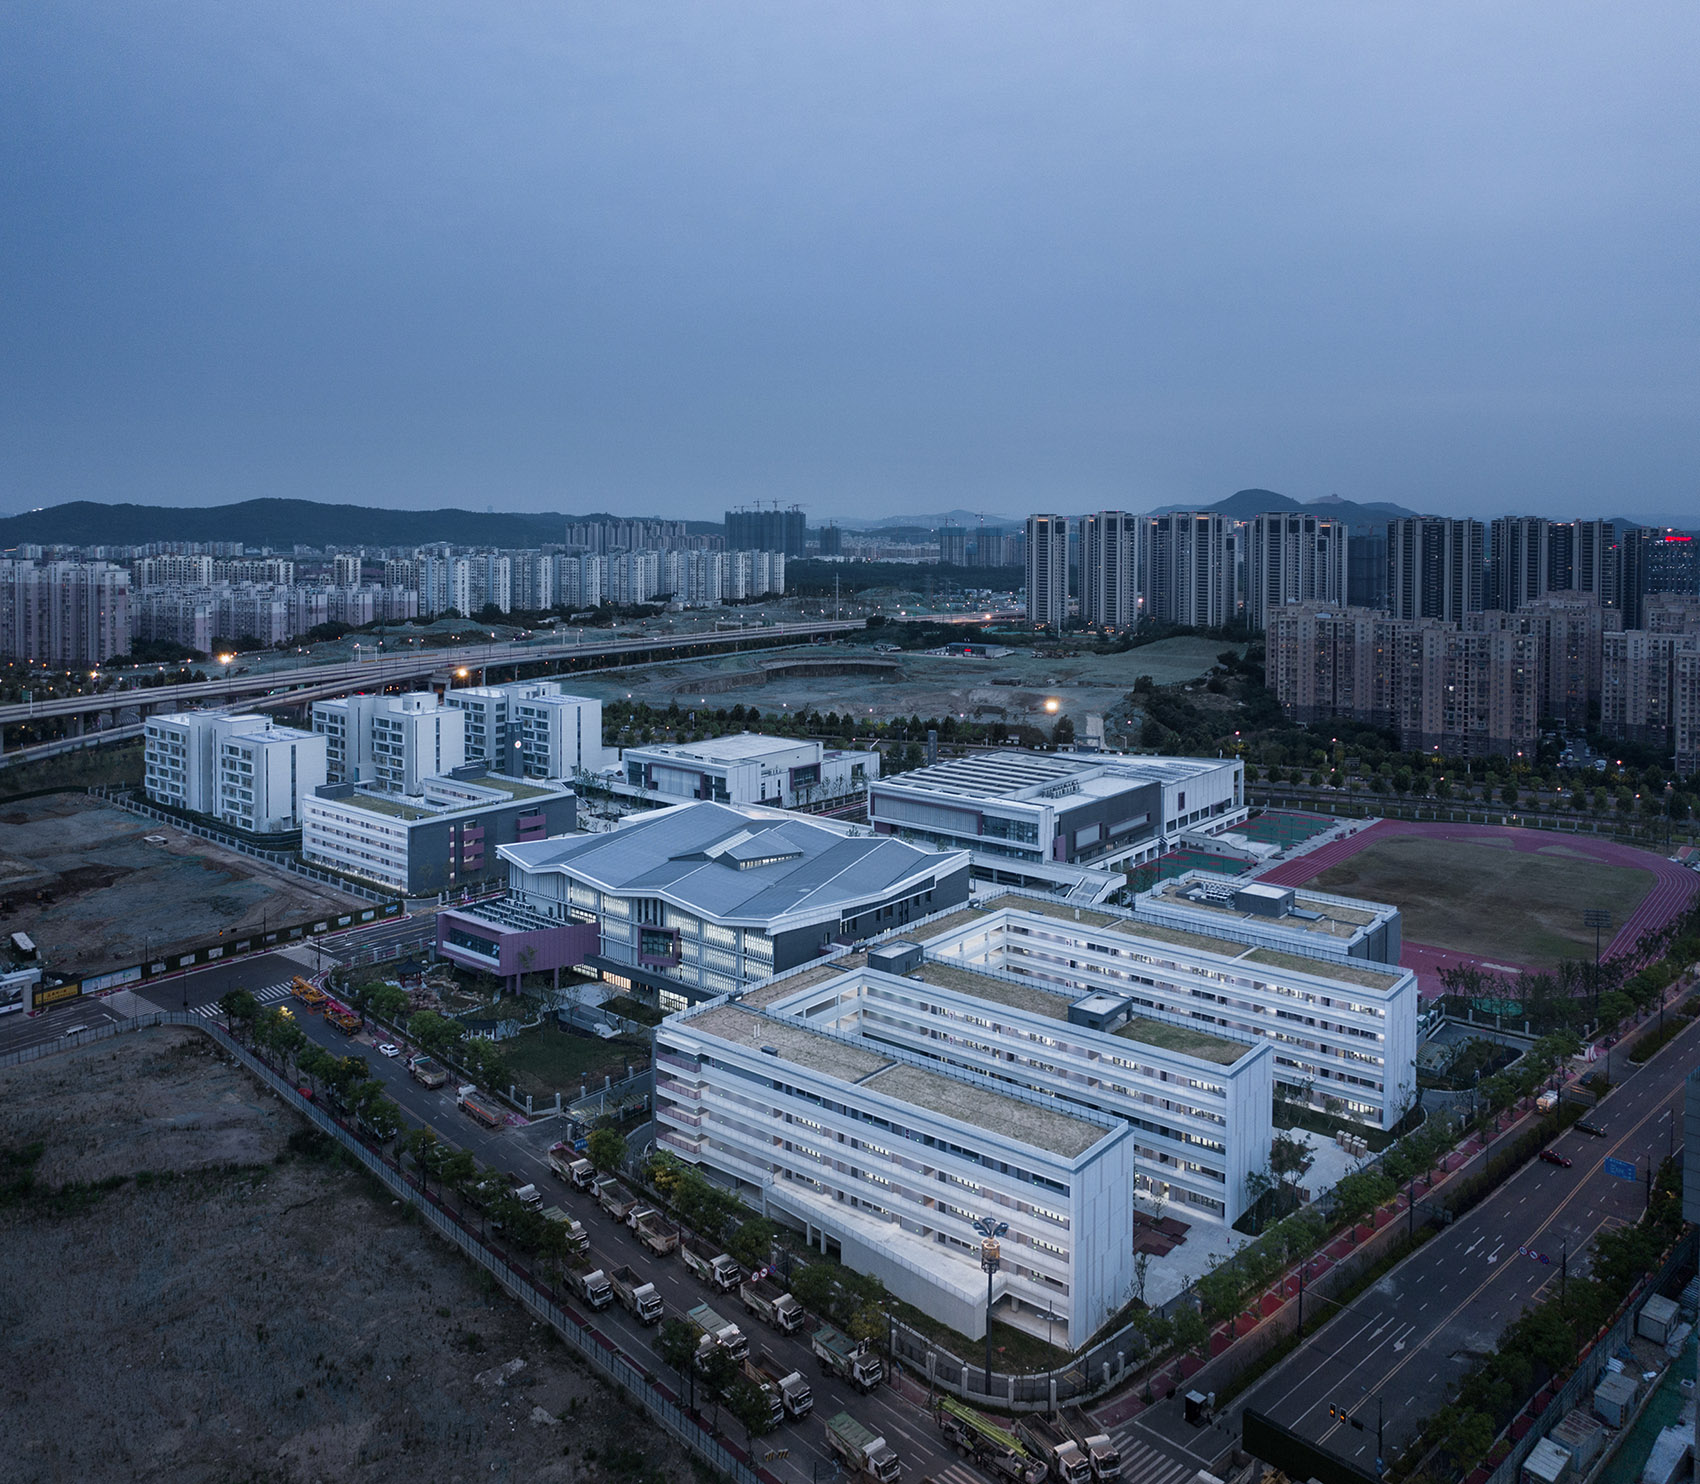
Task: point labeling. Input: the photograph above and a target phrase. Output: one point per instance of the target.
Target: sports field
(1490, 900)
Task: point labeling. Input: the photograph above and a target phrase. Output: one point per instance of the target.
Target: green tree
(752, 1242)
(386, 1001)
(676, 1344)
(437, 1034)
(719, 1373)
(748, 1402)
(1187, 1330)
(239, 1009)
(605, 1149)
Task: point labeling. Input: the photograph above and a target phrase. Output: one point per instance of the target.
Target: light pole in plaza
(991, 1259)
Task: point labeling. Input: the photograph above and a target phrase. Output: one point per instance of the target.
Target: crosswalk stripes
(1142, 1462)
(270, 994)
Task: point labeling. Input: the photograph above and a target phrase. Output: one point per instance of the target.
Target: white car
(389, 1048)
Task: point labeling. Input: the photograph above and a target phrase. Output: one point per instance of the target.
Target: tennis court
(1285, 827)
(1179, 862)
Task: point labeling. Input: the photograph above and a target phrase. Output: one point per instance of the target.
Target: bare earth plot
(1491, 901)
(118, 896)
(248, 1311)
(1012, 689)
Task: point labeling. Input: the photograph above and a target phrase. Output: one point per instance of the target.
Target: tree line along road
(521, 1150)
(1403, 1345)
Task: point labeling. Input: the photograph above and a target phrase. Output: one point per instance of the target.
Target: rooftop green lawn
(1491, 901)
(1184, 1039)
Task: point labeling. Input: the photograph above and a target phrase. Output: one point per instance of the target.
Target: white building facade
(748, 769)
(892, 1158)
(1344, 1036)
(243, 770)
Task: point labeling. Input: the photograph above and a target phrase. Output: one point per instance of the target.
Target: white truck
(614, 1198)
(637, 1295)
(578, 1239)
(711, 1266)
(528, 1195)
(866, 1456)
(849, 1360)
(793, 1389)
(1063, 1456)
(656, 1235)
(595, 1288)
(765, 1298)
(1101, 1452)
(717, 1331)
(572, 1167)
(775, 1402)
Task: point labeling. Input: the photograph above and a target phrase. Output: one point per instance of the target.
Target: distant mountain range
(280, 524)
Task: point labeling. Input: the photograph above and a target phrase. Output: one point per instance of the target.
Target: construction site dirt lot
(123, 886)
(189, 1293)
(1014, 688)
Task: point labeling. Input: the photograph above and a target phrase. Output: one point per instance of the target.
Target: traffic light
(1333, 1412)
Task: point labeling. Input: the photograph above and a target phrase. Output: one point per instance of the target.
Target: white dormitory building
(532, 728)
(891, 1157)
(243, 770)
(1091, 1017)
(746, 769)
(1060, 822)
(391, 743)
(1344, 1034)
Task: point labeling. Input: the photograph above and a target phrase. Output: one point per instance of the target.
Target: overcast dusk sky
(871, 258)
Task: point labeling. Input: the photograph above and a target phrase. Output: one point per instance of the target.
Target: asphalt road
(1398, 1351)
(521, 1149)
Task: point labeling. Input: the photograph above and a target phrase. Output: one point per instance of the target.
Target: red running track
(1674, 887)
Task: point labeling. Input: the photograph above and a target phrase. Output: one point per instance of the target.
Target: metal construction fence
(1592, 1367)
(529, 1289)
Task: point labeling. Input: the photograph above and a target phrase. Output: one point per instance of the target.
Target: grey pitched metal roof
(737, 864)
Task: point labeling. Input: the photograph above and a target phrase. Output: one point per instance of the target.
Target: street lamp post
(1598, 918)
(991, 1259)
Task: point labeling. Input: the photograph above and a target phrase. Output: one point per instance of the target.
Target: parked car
(389, 1048)
(1582, 1126)
(1553, 1157)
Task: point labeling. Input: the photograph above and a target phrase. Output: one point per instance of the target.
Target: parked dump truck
(614, 1198)
(656, 1235)
(995, 1449)
(709, 1264)
(793, 1389)
(571, 1166)
(595, 1288)
(527, 1194)
(851, 1360)
(866, 1456)
(1064, 1457)
(431, 1073)
(1095, 1443)
(775, 1403)
(639, 1212)
(636, 1294)
(717, 1331)
(578, 1239)
(765, 1298)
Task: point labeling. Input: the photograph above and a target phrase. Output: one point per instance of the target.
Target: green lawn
(546, 1061)
(1490, 901)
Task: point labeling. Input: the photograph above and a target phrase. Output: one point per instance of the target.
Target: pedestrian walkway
(269, 995)
(1142, 1460)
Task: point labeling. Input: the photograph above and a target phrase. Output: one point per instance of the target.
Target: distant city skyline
(869, 258)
